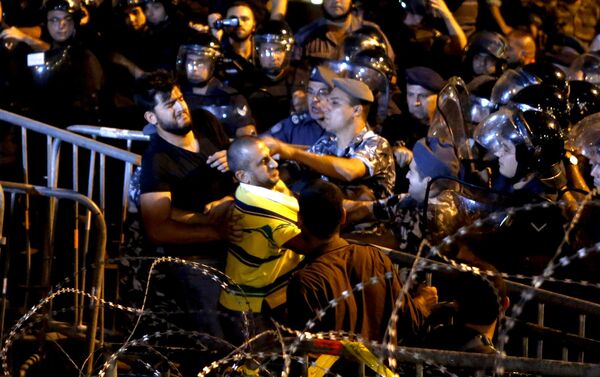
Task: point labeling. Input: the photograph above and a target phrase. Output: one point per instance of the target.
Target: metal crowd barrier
(96, 191)
(482, 363)
(99, 251)
(541, 299)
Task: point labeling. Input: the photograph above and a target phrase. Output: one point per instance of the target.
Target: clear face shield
(375, 80)
(509, 84)
(584, 137)
(272, 57)
(450, 124)
(480, 109)
(586, 68)
(273, 52)
(504, 126)
(196, 63)
(354, 44)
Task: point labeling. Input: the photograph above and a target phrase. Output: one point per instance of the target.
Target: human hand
(230, 228)
(276, 146)
(402, 155)
(211, 24)
(218, 209)
(199, 27)
(440, 7)
(425, 299)
(13, 33)
(218, 160)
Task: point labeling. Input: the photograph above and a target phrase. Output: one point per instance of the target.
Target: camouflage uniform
(374, 151)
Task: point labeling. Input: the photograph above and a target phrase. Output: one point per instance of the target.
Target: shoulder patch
(276, 128)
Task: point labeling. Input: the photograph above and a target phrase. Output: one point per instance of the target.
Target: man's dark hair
(479, 296)
(149, 85)
(321, 209)
(237, 154)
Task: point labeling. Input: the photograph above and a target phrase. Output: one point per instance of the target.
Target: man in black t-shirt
(183, 170)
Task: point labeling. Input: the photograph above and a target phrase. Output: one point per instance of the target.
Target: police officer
(529, 146)
(166, 31)
(485, 55)
(68, 79)
(305, 128)
(277, 81)
(196, 63)
(322, 39)
(354, 156)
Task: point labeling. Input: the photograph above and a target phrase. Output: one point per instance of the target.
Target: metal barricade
(95, 191)
(99, 251)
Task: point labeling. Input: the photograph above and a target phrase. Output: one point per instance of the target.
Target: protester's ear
(150, 117)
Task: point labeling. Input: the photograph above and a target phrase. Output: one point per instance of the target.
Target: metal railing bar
(110, 133)
(548, 297)
(70, 137)
(475, 361)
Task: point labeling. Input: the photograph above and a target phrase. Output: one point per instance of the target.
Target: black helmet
(587, 68)
(200, 52)
(513, 80)
(72, 7)
(365, 38)
(584, 100)
(274, 37)
(377, 59)
(549, 74)
(536, 135)
(542, 97)
(488, 42)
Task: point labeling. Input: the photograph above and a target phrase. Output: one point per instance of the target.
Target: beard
(175, 128)
(234, 36)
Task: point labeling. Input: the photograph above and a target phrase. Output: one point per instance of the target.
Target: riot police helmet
(486, 53)
(585, 137)
(378, 59)
(514, 80)
(197, 58)
(586, 67)
(366, 37)
(274, 42)
(584, 100)
(547, 73)
(72, 7)
(534, 137)
(546, 98)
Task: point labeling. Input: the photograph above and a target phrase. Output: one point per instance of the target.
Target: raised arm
(341, 168)
(454, 29)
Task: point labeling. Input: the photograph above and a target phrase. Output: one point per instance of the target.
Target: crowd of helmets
(66, 62)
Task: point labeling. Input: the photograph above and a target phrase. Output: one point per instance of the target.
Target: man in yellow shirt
(259, 264)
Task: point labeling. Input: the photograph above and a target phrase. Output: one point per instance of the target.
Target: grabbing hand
(218, 160)
(426, 299)
(402, 155)
(277, 147)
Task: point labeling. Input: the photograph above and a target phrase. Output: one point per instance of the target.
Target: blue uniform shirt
(298, 129)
